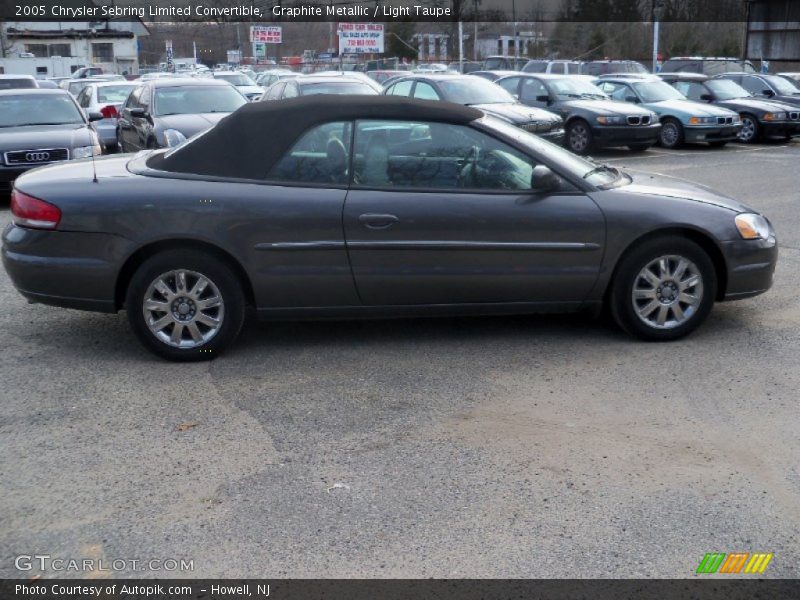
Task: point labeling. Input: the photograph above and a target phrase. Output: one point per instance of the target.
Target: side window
(531, 90)
(509, 84)
(690, 89)
(408, 154)
(321, 155)
(754, 85)
(144, 98)
(558, 68)
(401, 88)
(84, 96)
(425, 91)
(133, 99)
(275, 91)
(617, 91)
(290, 91)
(574, 68)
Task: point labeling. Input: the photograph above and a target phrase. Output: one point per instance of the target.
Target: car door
(125, 128)
(533, 92)
(444, 214)
(510, 84)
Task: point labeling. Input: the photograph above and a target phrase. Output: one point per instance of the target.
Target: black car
(164, 112)
(469, 90)
(771, 87)
(310, 85)
(41, 126)
(760, 118)
(375, 206)
(592, 119)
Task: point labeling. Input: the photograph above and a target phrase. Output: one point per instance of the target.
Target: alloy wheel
(183, 308)
(667, 292)
(578, 138)
(748, 131)
(669, 134)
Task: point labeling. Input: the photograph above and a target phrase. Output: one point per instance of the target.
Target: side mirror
(706, 97)
(137, 113)
(768, 93)
(632, 99)
(95, 116)
(544, 180)
(543, 98)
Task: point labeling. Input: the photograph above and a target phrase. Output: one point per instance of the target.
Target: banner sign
(361, 38)
(268, 34)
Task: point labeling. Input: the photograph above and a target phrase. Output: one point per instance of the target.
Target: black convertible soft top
(246, 143)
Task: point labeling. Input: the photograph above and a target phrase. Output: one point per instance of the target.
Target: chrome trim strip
(317, 245)
(467, 245)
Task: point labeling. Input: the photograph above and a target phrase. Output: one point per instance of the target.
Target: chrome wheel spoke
(156, 305)
(194, 332)
(678, 312)
(667, 292)
(677, 274)
(648, 309)
(651, 277)
(161, 323)
(206, 320)
(663, 311)
(688, 298)
(206, 303)
(177, 334)
(640, 294)
(163, 289)
(199, 287)
(180, 281)
(689, 283)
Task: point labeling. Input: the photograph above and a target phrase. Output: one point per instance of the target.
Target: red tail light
(32, 212)
(109, 112)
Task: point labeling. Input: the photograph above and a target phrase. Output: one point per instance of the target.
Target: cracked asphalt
(489, 447)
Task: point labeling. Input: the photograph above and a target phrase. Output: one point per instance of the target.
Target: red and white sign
(268, 34)
(361, 38)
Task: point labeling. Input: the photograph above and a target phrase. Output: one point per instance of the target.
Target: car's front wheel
(671, 135)
(663, 289)
(185, 305)
(579, 137)
(750, 131)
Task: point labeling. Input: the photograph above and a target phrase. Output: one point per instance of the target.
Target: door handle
(377, 221)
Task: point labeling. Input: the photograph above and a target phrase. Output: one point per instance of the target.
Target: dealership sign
(267, 34)
(360, 38)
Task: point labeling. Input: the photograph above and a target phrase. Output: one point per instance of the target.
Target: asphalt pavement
(473, 447)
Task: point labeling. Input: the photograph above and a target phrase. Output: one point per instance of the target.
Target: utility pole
(657, 10)
(475, 37)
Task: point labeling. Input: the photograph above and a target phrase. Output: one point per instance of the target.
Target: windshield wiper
(601, 169)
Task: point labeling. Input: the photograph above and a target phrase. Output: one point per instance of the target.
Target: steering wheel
(469, 168)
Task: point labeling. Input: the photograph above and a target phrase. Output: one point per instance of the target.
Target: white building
(112, 45)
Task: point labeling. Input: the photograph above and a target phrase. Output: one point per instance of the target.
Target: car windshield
(192, 100)
(114, 93)
(535, 67)
(725, 89)
(38, 109)
(472, 90)
(337, 87)
(657, 91)
(781, 85)
(563, 159)
(575, 88)
(237, 79)
(22, 82)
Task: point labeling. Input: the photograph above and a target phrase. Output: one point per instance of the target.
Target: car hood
(607, 107)
(38, 137)
(655, 184)
(793, 99)
(690, 107)
(190, 125)
(754, 104)
(250, 89)
(517, 113)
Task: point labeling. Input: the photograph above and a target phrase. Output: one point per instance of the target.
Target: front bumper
(63, 268)
(780, 129)
(554, 135)
(607, 136)
(751, 266)
(713, 133)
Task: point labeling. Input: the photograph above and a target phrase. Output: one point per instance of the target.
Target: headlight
(775, 116)
(702, 120)
(654, 118)
(737, 120)
(173, 137)
(86, 151)
(610, 120)
(752, 226)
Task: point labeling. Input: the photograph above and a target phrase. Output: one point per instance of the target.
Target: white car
(243, 83)
(106, 98)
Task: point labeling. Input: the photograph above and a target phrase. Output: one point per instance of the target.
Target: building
(112, 44)
(773, 33)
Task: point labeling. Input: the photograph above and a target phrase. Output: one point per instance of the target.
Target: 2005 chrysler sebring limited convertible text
(336, 206)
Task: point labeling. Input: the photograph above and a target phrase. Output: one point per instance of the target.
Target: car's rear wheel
(639, 147)
(671, 135)
(579, 137)
(750, 131)
(185, 305)
(663, 289)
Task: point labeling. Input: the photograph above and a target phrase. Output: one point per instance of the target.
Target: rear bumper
(751, 265)
(623, 136)
(61, 268)
(727, 133)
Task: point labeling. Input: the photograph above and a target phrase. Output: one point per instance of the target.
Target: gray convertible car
(371, 207)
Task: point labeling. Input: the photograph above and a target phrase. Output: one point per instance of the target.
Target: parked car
(41, 126)
(87, 72)
(706, 65)
(243, 83)
(432, 208)
(591, 119)
(431, 68)
(465, 66)
(760, 118)
(165, 112)
(682, 120)
(309, 85)
(15, 82)
(267, 78)
(469, 90)
(106, 98)
(556, 67)
(793, 78)
(75, 86)
(380, 76)
(493, 75)
(46, 85)
(357, 75)
(605, 67)
(771, 87)
(504, 63)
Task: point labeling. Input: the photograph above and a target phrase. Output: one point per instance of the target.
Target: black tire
(671, 135)
(222, 280)
(751, 130)
(639, 147)
(719, 144)
(626, 310)
(579, 137)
